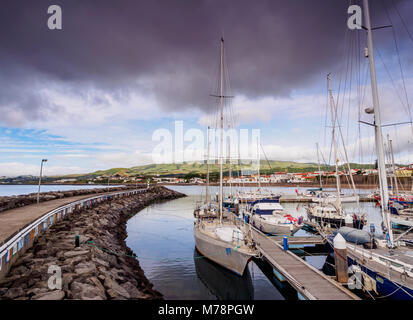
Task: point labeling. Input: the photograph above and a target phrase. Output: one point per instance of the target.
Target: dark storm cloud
(169, 48)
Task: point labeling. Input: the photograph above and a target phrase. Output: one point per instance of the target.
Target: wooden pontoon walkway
(307, 280)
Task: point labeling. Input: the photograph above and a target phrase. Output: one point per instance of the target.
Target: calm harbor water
(18, 189)
(162, 237)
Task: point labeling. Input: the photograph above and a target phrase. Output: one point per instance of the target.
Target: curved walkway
(11, 221)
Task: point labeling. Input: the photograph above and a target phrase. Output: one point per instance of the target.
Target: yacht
(388, 264)
(270, 217)
(328, 215)
(217, 234)
(328, 212)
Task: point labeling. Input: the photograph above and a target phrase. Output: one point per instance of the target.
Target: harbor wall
(102, 267)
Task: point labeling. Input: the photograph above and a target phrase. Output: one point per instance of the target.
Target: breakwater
(102, 267)
(11, 202)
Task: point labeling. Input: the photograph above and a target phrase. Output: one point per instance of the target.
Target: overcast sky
(90, 96)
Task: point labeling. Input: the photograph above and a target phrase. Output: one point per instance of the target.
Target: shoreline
(291, 185)
(103, 267)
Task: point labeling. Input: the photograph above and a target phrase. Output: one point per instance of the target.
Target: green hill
(198, 168)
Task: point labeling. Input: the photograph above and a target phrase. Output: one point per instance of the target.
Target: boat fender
(383, 227)
(394, 211)
(369, 283)
(370, 245)
(354, 268)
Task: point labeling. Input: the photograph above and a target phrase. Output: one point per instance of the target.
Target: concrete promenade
(11, 221)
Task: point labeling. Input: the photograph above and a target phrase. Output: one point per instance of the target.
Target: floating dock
(310, 283)
(311, 240)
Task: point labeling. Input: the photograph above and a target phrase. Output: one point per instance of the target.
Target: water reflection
(223, 284)
(162, 237)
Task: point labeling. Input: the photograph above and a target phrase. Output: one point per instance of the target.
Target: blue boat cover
(354, 235)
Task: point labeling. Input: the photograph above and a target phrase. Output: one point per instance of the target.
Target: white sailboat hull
(222, 252)
(402, 221)
(343, 199)
(273, 228)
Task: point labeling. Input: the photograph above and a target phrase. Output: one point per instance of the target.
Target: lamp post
(40, 180)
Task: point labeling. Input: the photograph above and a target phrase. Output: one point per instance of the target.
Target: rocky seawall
(11, 202)
(102, 267)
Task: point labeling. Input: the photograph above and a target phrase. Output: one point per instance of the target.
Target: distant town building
(196, 180)
(66, 180)
(404, 172)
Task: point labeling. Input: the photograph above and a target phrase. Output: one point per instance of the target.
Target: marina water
(161, 235)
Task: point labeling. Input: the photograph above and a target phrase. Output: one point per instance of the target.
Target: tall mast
(259, 164)
(230, 168)
(221, 101)
(240, 168)
(207, 175)
(333, 123)
(384, 192)
(393, 167)
(353, 185)
(319, 168)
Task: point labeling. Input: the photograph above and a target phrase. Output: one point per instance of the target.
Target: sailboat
(390, 265)
(329, 210)
(206, 208)
(244, 197)
(260, 194)
(403, 218)
(264, 212)
(398, 199)
(402, 214)
(219, 238)
(331, 198)
(231, 201)
(314, 192)
(270, 217)
(319, 195)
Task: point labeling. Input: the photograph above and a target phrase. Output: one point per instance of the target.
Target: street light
(40, 179)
